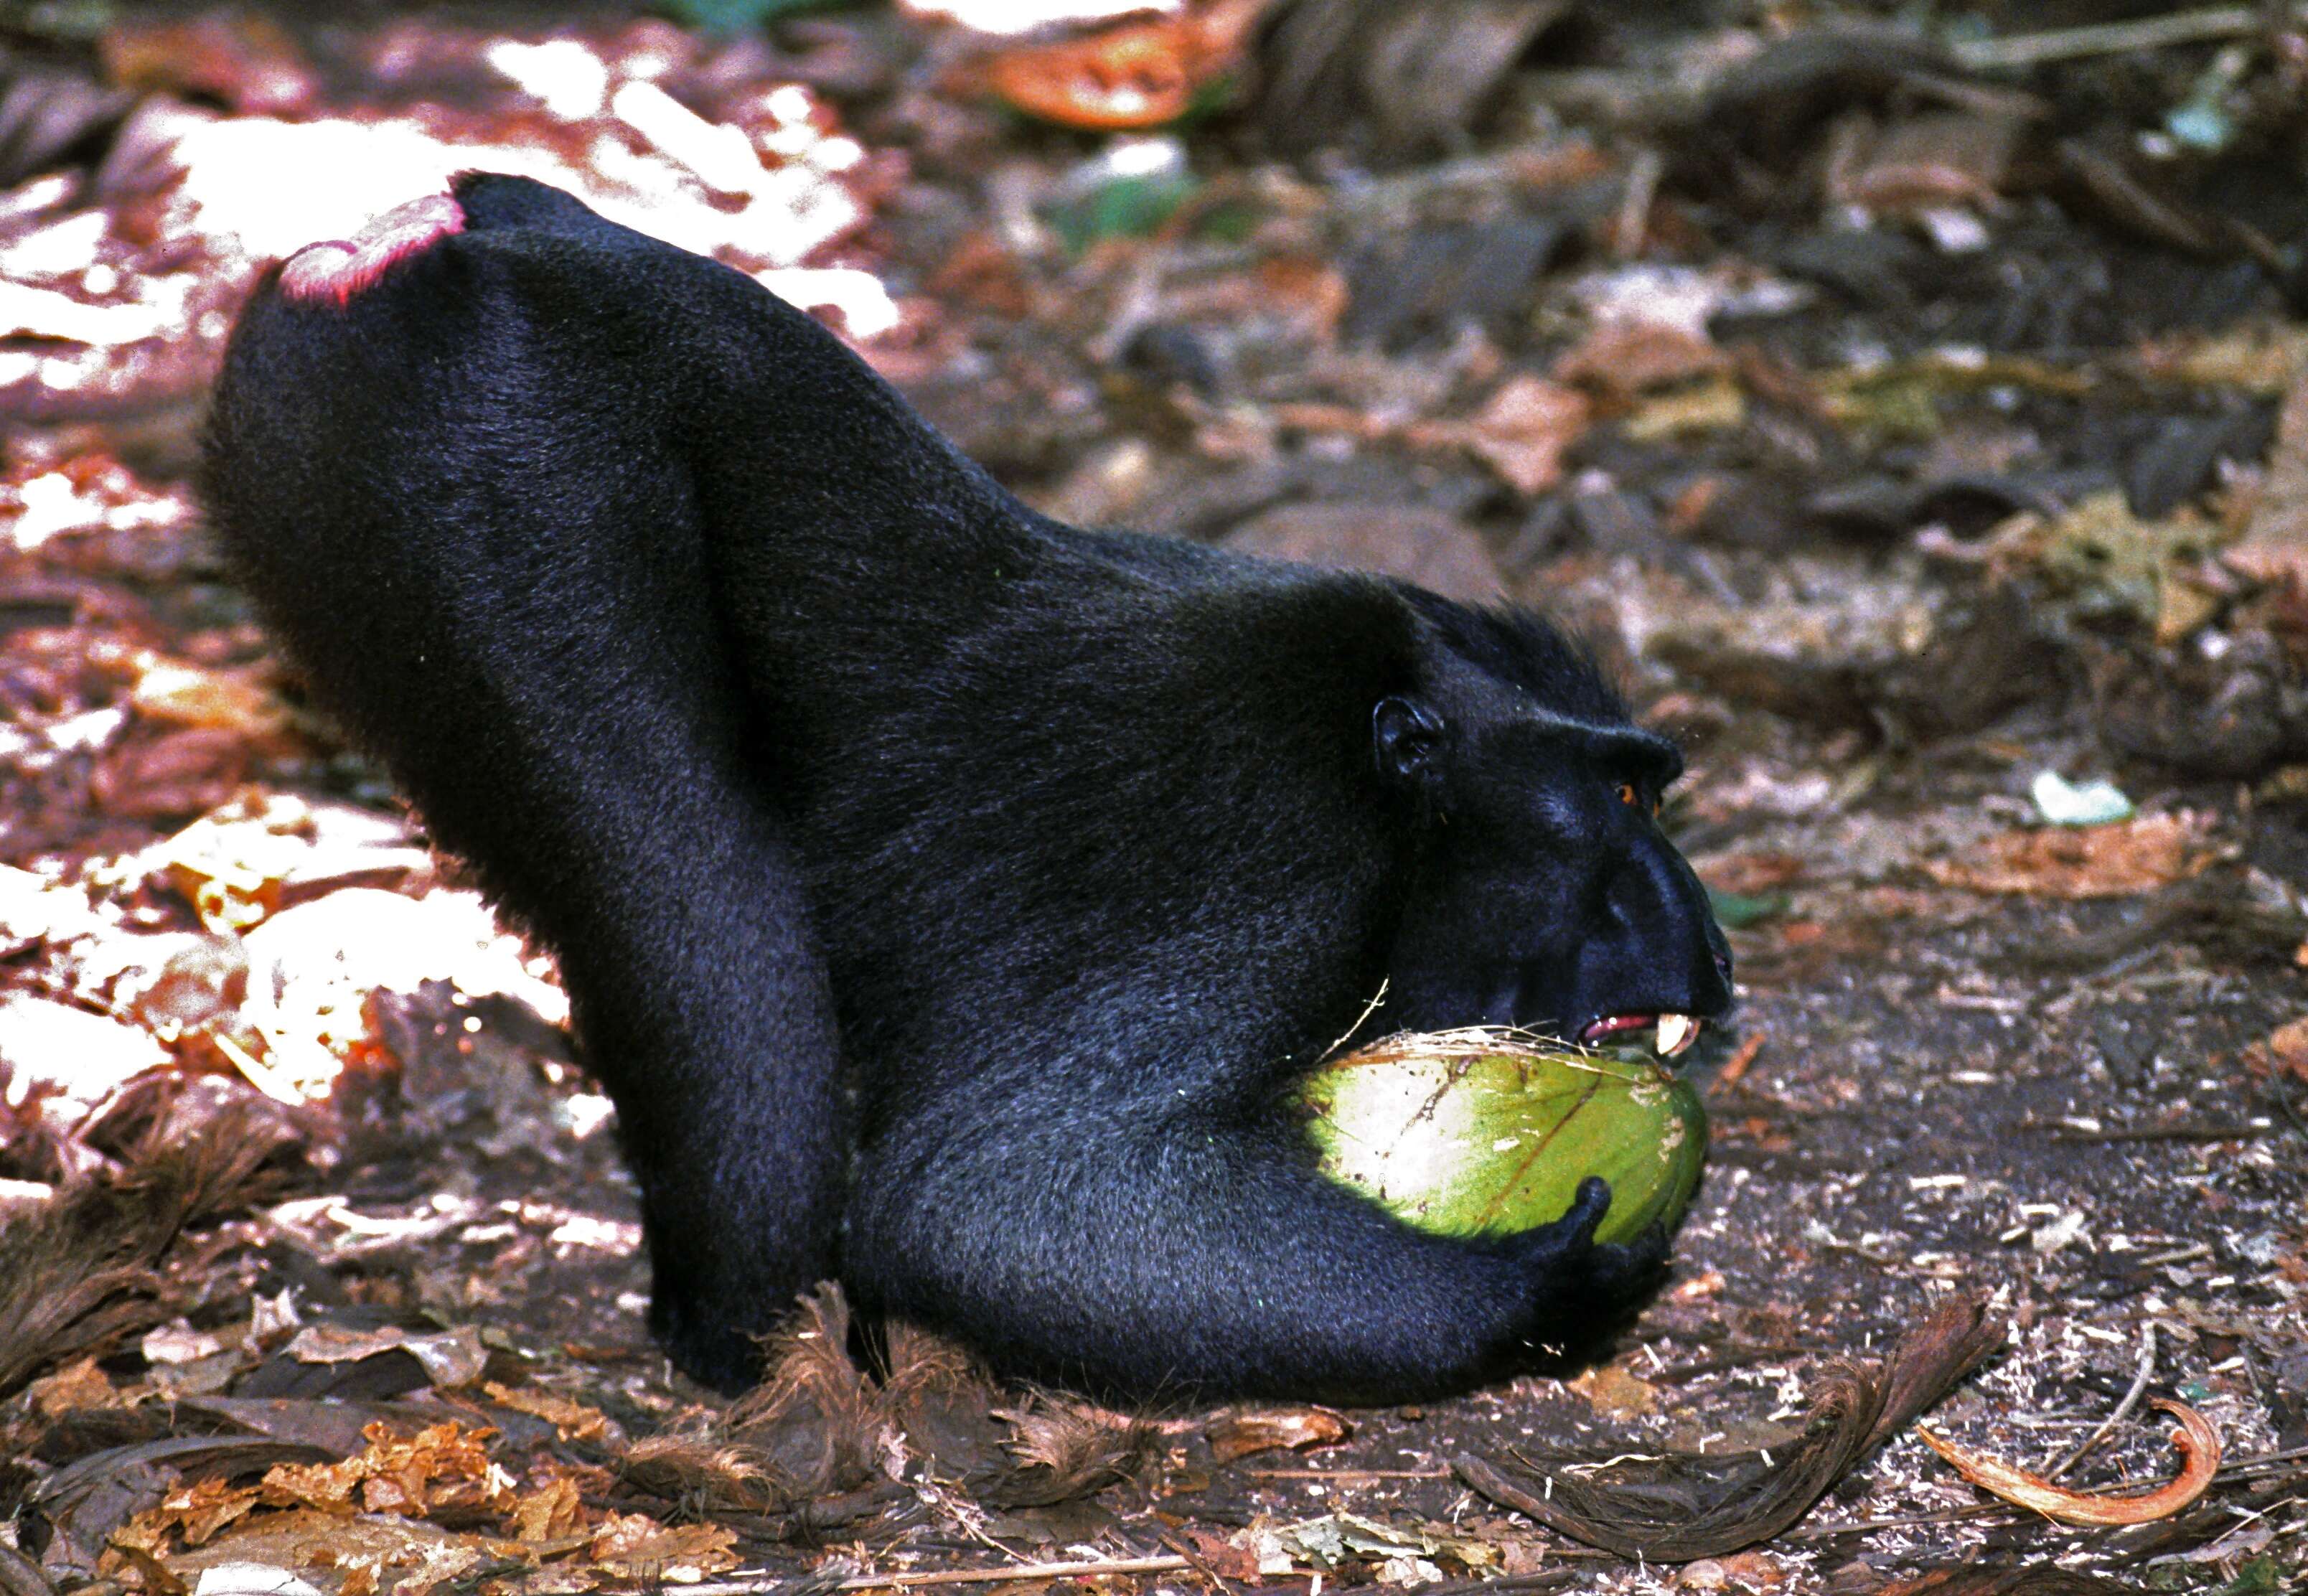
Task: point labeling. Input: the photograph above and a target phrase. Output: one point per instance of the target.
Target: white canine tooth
(1675, 1032)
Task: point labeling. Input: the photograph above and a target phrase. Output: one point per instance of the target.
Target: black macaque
(948, 897)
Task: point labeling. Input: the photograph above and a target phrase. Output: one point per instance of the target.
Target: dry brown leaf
(2102, 861)
(1141, 74)
(183, 694)
(1740, 1571)
(574, 1420)
(1614, 1393)
(82, 1384)
(1627, 355)
(1214, 1550)
(2275, 545)
(450, 1358)
(1308, 290)
(1273, 1429)
(155, 1577)
(551, 1512)
(1714, 405)
(171, 775)
(2199, 1449)
(636, 1547)
(1526, 429)
(2287, 1044)
(195, 1512)
(244, 59)
(445, 1465)
(1131, 77)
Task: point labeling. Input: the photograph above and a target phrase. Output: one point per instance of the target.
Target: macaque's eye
(1634, 799)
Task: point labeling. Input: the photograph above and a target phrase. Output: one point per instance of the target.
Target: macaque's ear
(1405, 739)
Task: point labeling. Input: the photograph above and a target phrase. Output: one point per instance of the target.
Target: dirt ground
(1918, 421)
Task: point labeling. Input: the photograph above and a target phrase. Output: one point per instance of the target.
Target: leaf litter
(1899, 425)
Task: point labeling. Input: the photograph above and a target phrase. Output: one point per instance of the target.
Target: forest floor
(1915, 420)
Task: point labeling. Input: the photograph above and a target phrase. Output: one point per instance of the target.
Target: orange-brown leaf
(1272, 1429)
(2100, 862)
(1130, 77)
(574, 1420)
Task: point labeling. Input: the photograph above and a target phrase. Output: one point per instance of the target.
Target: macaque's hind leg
(458, 511)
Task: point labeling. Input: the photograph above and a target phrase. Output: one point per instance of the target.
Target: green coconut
(1481, 1133)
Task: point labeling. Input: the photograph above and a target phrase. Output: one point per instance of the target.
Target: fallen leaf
(1141, 75)
(2263, 360)
(1628, 354)
(244, 860)
(172, 775)
(445, 1465)
(2199, 1449)
(195, 1514)
(451, 1358)
(574, 1420)
(153, 1575)
(554, 1511)
(1714, 405)
(2102, 861)
(80, 1386)
(635, 1546)
(1614, 1393)
(242, 58)
(2274, 549)
(2288, 1044)
(1272, 1429)
(1526, 429)
(1221, 1554)
(1741, 1571)
(192, 695)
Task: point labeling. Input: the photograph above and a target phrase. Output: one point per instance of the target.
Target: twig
(1349, 1473)
(2178, 1254)
(2109, 38)
(2194, 1132)
(951, 1576)
(1735, 1069)
(994, 1577)
(1202, 1564)
(1545, 1579)
(2252, 1465)
(1632, 229)
(1868, 1526)
(1730, 1358)
(2123, 1409)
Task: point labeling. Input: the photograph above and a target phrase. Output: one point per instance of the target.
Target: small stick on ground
(1734, 1068)
(943, 1576)
(1202, 1564)
(1632, 230)
(2123, 1409)
(2109, 38)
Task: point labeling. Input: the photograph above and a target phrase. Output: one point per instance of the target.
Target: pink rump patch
(336, 271)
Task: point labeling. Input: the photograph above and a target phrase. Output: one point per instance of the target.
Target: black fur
(947, 896)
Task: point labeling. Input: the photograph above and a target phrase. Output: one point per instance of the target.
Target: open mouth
(1675, 1032)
